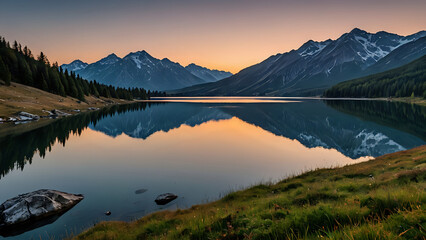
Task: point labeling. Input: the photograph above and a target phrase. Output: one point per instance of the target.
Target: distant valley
(140, 69)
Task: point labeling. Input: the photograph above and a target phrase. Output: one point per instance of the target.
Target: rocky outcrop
(21, 117)
(37, 205)
(58, 113)
(24, 116)
(55, 113)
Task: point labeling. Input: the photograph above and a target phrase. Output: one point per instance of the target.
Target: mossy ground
(380, 199)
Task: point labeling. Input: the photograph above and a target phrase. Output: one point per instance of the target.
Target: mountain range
(140, 69)
(207, 74)
(316, 66)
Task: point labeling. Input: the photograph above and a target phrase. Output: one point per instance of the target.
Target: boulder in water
(34, 206)
(165, 198)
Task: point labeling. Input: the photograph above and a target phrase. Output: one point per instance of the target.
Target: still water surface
(197, 149)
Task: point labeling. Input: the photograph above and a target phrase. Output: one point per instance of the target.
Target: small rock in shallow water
(165, 198)
(140, 191)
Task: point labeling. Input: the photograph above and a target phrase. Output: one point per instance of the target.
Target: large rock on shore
(35, 206)
(24, 116)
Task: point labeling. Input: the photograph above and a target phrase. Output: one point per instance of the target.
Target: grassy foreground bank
(380, 199)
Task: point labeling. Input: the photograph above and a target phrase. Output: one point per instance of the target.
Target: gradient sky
(222, 34)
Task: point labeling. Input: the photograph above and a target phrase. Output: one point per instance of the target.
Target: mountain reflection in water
(378, 127)
(312, 123)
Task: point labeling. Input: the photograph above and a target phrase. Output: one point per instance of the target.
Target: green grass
(379, 199)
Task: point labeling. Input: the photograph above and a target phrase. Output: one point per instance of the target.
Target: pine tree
(4, 73)
(15, 45)
(25, 72)
(43, 59)
(26, 53)
(44, 85)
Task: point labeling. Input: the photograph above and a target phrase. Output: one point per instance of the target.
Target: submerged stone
(140, 191)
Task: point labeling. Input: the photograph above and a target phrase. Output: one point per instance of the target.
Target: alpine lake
(123, 156)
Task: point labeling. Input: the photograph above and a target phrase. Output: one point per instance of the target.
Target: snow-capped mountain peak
(357, 31)
(311, 48)
(141, 58)
(110, 59)
(75, 65)
(368, 47)
(207, 74)
(371, 47)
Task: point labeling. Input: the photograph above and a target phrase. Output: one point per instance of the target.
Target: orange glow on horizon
(224, 35)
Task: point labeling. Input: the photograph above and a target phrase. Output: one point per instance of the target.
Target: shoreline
(19, 98)
(359, 200)
(416, 100)
(18, 127)
(94, 104)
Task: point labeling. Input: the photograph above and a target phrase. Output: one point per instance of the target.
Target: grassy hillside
(18, 97)
(379, 199)
(406, 81)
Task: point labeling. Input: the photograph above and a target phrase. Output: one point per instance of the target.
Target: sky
(219, 34)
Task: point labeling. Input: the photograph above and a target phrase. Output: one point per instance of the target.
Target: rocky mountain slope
(207, 74)
(140, 69)
(316, 66)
